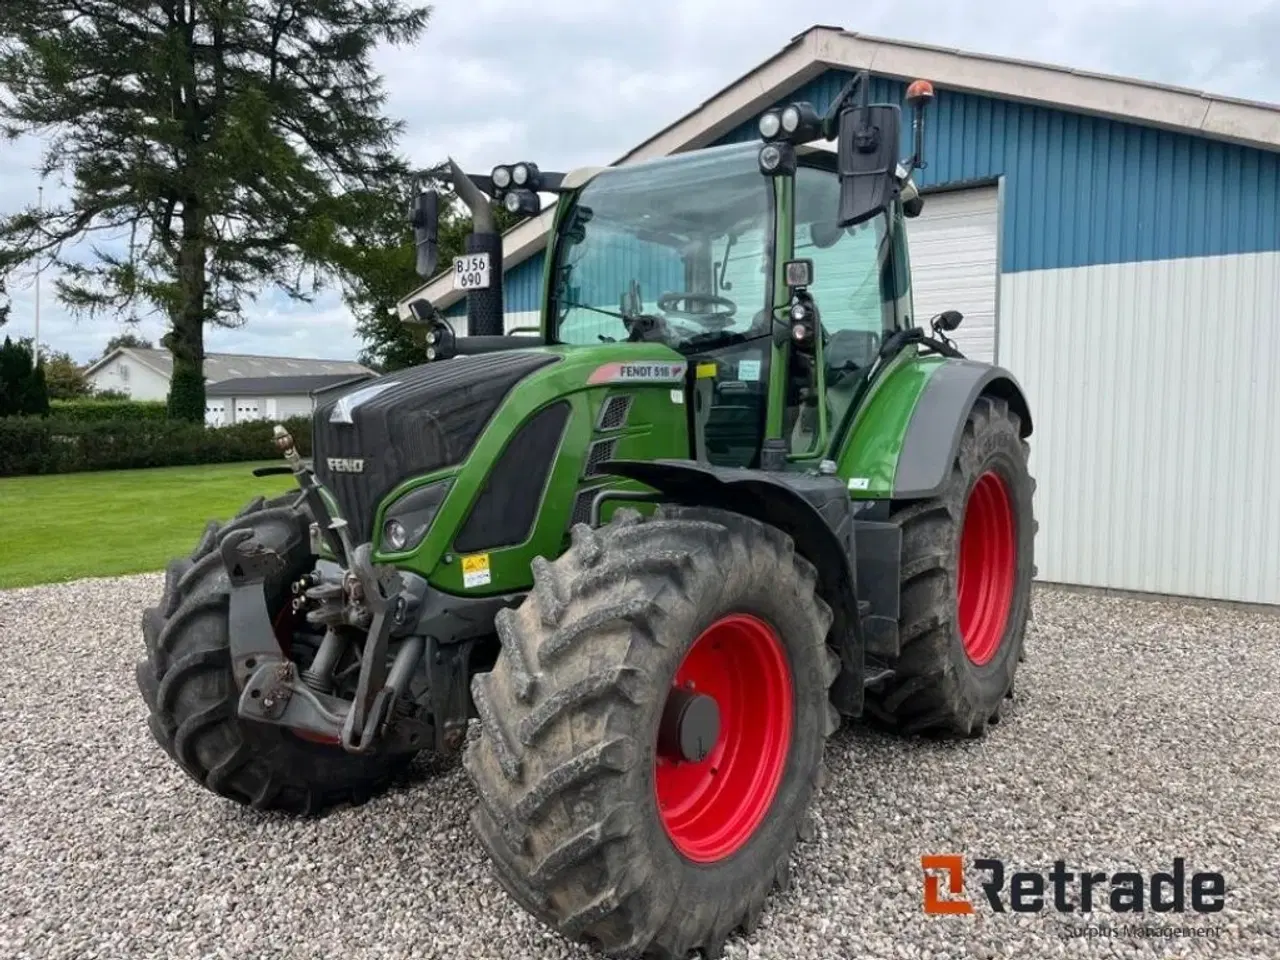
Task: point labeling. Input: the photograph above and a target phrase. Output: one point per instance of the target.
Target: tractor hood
(409, 423)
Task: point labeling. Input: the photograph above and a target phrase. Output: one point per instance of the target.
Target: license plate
(471, 272)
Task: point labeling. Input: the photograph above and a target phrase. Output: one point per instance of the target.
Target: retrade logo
(952, 867)
(1069, 891)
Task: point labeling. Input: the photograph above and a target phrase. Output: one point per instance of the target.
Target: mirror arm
(859, 84)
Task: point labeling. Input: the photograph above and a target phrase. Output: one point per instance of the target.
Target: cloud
(579, 82)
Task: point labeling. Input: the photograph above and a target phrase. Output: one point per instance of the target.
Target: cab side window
(847, 263)
(852, 286)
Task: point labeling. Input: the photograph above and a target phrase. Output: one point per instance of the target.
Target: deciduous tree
(64, 377)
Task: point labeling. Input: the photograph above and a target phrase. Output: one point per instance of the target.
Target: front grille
(410, 423)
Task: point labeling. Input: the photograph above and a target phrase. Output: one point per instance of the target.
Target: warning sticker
(748, 371)
(475, 570)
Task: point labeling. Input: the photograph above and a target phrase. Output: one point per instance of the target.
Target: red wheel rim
(987, 569)
(710, 809)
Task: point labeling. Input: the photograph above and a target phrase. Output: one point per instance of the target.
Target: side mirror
(825, 234)
(947, 321)
(425, 218)
(867, 160)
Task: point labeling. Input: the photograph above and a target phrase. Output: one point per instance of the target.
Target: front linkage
(374, 598)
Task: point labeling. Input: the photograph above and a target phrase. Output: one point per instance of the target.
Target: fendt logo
(345, 464)
(1067, 891)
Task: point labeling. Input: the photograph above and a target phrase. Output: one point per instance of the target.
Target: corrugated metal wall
(1156, 395)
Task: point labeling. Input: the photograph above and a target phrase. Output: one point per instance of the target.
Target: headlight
(394, 535)
(791, 119)
(770, 158)
(407, 520)
(501, 177)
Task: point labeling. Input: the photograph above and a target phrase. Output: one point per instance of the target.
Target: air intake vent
(601, 451)
(614, 413)
(582, 506)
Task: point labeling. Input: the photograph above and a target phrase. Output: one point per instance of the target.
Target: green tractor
(637, 564)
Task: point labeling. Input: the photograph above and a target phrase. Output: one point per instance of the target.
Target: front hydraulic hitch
(272, 690)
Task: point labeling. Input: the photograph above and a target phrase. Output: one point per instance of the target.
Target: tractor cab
(777, 269)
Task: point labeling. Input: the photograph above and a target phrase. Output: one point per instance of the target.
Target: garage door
(215, 413)
(954, 265)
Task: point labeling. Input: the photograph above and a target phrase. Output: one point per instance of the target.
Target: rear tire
(191, 693)
(967, 568)
(567, 761)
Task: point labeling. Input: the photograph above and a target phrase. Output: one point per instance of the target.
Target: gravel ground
(1140, 731)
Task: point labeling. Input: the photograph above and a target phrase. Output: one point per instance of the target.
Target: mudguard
(932, 438)
(814, 510)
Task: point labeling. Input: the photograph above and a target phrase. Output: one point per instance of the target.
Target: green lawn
(66, 526)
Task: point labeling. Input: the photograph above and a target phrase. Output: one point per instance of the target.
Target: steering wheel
(669, 303)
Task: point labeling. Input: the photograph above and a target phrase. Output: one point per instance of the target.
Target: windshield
(676, 251)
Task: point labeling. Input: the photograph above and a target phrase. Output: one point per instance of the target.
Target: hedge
(90, 410)
(52, 445)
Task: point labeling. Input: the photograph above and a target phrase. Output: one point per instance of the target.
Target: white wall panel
(954, 265)
(1156, 399)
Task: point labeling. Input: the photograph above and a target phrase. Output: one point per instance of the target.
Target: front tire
(967, 568)
(595, 820)
(192, 697)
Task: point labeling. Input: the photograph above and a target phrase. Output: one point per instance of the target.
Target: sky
(579, 82)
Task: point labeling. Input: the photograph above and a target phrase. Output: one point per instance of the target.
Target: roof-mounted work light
(526, 175)
(796, 123)
(522, 202)
(800, 122)
(777, 159)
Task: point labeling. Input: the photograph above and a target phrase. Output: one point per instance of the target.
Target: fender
(815, 511)
(933, 433)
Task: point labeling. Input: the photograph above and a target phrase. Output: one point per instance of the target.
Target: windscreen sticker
(475, 570)
(706, 371)
(650, 371)
(749, 371)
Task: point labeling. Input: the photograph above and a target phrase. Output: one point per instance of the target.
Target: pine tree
(224, 138)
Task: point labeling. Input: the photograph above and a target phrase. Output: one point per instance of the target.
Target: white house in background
(269, 398)
(238, 386)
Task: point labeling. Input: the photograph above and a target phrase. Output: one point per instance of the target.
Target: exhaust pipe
(484, 307)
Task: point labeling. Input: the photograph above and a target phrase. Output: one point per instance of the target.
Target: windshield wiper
(624, 317)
